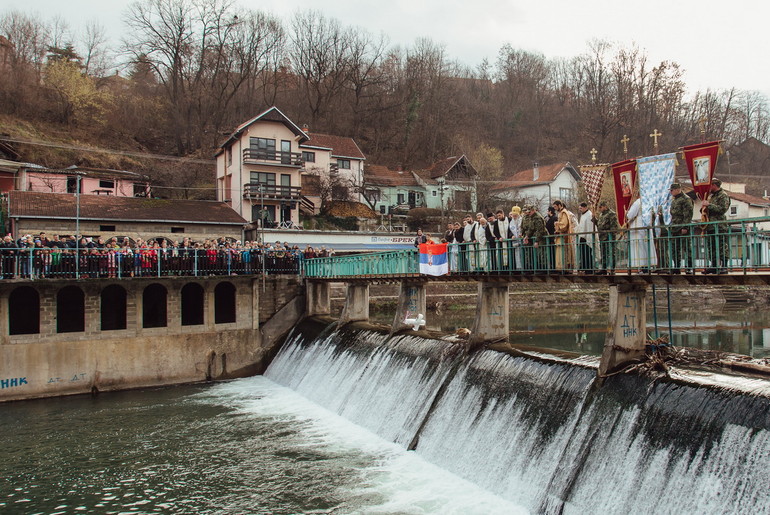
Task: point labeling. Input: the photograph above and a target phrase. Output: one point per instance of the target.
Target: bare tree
(93, 42)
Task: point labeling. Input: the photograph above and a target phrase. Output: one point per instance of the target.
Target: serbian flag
(701, 162)
(624, 174)
(433, 259)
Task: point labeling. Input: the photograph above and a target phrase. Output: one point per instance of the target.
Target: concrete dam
(540, 431)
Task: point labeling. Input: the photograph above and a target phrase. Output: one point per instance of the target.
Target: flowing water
(244, 446)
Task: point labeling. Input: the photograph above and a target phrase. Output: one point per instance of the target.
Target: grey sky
(719, 44)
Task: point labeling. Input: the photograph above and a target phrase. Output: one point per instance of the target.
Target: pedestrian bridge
(628, 262)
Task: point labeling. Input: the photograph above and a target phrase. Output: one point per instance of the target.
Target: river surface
(243, 446)
(729, 328)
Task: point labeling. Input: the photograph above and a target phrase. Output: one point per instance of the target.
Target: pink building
(92, 181)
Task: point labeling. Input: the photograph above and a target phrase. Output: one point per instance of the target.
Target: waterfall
(542, 433)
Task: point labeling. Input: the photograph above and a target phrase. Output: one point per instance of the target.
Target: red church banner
(701, 162)
(624, 174)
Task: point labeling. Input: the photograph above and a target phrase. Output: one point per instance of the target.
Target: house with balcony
(260, 169)
(541, 185)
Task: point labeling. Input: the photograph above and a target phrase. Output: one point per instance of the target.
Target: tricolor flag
(433, 259)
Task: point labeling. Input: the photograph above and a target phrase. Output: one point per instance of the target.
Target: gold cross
(702, 123)
(593, 155)
(625, 141)
(654, 137)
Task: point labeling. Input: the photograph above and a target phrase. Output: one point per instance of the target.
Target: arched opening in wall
(24, 311)
(224, 303)
(154, 310)
(70, 310)
(113, 308)
(192, 304)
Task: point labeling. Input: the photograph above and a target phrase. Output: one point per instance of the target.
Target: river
(243, 446)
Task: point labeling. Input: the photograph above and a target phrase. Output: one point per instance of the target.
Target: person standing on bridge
(679, 232)
(534, 235)
(420, 239)
(608, 226)
(585, 236)
(565, 254)
(715, 208)
(514, 240)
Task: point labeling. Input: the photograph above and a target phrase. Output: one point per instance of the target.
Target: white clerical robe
(641, 246)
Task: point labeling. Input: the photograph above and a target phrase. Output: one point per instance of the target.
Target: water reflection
(729, 328)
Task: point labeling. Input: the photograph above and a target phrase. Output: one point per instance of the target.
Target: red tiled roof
(378, 175)
(341, 146)
(748, 199)
(546, 174)
(26, 204)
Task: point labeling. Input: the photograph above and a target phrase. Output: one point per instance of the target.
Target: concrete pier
(492, 313)
(412, 301)
(356, 307)
(626, 336)
(317, 295)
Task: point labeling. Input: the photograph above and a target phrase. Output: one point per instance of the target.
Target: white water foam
(392, 480)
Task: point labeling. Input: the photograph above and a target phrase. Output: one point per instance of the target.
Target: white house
(541, 185)
(261, 165)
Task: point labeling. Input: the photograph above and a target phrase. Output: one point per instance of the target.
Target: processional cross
(625, 141)
(702, 124)
(593, 155)
(655, 134)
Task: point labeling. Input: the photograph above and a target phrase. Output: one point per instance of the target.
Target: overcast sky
(718, 44)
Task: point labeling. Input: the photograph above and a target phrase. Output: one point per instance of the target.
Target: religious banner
(593, 180)
(624, 175)
(656, 173)
(701, 162)
(433, 259)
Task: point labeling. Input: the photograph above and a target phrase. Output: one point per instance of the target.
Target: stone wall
(51, 363)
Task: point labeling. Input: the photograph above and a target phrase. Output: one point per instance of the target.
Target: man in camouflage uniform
(716, 233)
(533, 232)
(607, 225)
(679, 232)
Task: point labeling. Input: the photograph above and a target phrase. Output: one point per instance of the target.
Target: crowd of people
(560, 241)
(41, 256)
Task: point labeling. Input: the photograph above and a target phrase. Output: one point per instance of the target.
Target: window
(382, 209)
(401, 198)
(113, 308)
(70, 310)
(107, 228)
(72, 184)
(177, 229)
(107, 185)
(154, 306)
(229, 155)
(24, 311)
(140, 190)
(343, 164)
(733, 210)
(224, 303)
(434, 193)
(308, 157)
(192, 304)
(263, 178)
(264, 146)
(565, 194)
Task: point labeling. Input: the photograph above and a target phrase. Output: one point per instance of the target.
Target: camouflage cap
(716, 182)
(528, 207)
(676, 186)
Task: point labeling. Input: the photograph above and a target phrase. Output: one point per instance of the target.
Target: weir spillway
(542, 432)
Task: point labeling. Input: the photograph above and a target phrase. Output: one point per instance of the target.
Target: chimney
(535, 172)
(305, 128)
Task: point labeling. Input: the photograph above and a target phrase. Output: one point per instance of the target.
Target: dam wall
(70, 337)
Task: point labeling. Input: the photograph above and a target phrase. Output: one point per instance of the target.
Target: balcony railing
(255, 155)
(256, 190)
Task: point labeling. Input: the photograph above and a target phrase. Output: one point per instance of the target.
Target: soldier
(607, 225)
(533, 232)
(679, 230)
(716, 233)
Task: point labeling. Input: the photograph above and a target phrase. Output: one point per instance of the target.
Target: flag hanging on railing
(593, 180)
(624, 175)
(433, 259)
(656, 174)
(701, 162)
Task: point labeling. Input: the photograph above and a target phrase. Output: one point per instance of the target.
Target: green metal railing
(713, 247)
